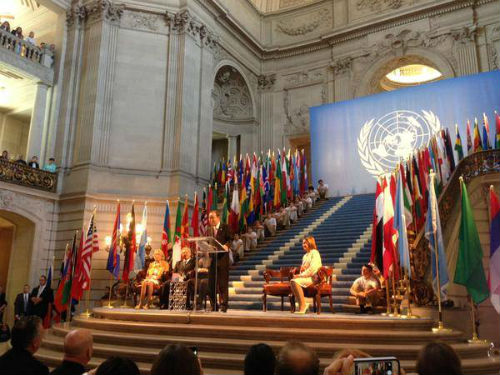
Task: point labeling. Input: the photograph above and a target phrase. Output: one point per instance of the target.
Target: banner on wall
(354, 141)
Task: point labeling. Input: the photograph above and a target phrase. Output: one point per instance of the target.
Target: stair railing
(475, 165)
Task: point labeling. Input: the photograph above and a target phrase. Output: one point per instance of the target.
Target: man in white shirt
(270, 224)
(365, 289)
(322, 189)
(250, 239)
(237, 246)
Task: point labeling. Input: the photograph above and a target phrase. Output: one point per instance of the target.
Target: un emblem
(384, 142)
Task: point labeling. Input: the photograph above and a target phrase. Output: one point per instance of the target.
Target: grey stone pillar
(466, 51)
(37, 124)
(265, 85)
(232, 146)
(342, 79)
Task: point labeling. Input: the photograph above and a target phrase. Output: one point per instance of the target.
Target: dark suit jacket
(223, 237)
(19, 305)
(68, 368)
(41, 308)
(21, 362)
(186, 269)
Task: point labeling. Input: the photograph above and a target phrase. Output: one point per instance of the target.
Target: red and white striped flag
(91, 246)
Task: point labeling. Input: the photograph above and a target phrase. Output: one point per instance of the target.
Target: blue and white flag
(434, 235)
(400, 226)
(141, 253)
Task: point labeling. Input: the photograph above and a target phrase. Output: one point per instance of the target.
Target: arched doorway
(233, 115)
(17, 235)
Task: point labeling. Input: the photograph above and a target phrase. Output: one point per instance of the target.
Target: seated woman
(153, 276)
(311, 263)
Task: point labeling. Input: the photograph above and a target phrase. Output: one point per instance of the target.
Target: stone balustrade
(20, 174)
(43, 56)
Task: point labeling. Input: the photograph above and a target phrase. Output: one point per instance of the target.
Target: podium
(205, 246)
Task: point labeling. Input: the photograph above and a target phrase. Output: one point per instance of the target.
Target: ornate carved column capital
(464, 35)
(76, 14)
(266, 82)
(104, 10)
(183, 22)
(342, 66)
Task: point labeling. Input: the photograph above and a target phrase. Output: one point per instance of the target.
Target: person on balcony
(311, 263)
(31, 38)
(152, 280)
(5, 155)
(5, 26)
(20, 160)
(34, 162)
(17, 32)
(50, 166)
(366, 289)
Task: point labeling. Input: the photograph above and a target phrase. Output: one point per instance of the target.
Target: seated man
(292, 212)
(259, 229)
(237, 247)
(249, 239)
(183, 271)
(366, 290)
(300, 206)
(270, 225)
(322, 189)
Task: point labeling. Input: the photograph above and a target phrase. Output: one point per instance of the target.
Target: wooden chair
(323, 288)
(281, 289)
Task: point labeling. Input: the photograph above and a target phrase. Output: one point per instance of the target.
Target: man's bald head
(78, 346)
(297, 359)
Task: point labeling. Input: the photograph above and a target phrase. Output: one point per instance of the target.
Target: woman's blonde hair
(159, 251)
(311, 242)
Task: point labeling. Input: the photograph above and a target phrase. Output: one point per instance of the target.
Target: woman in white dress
(311, 263)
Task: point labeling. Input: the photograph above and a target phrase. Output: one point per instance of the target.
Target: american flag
(91, 246)
(203, 222)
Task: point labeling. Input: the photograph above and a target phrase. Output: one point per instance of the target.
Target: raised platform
(223, 339)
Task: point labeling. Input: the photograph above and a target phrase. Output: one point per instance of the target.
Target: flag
(400, 226)
(494, 271)
(90, 247)
(131, 248)
(185, 223)
(390, 234)
(176, 249)
(63, 293)
(50, 274)
(477, 138)
(497, 133)
(486, 133)
(434, 235)
(141, 252)
(225, 208)
(277, 185)
(194, 218)
(234, 212)
(76, 282)
(113, 264)
(458, 144)
(407, 202)
(204, 216)
(378, 227)
(214, 198)
(166, 237)
(469, 139)
(469, 271)
(243, 209)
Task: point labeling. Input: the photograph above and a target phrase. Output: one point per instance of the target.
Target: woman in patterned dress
(153, 276)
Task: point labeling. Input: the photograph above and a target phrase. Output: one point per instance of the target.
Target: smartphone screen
(376, 366)
(194, 349)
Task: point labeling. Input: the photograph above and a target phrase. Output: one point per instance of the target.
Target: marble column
(232, 146)
(37, 123)
(466, 51)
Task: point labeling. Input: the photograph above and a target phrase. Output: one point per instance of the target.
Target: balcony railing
(43, 56)
(20, 174)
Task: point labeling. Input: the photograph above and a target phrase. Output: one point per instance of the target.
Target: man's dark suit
(40, 309)
(184, 268)
(219, 265)
(21, 362)
(19, 307)
(68, 368)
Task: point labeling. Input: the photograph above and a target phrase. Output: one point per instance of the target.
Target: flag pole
(475, 339)
(440, 327)
(388, 299)
(110, 306)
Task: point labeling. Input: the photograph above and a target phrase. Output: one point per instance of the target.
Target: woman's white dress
(311, 263)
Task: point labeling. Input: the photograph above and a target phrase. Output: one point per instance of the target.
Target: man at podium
(219, 267)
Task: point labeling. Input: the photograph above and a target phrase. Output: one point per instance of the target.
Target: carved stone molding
(142, 21)
(305, 24)
(266, 82)
(378, 5)
(297, 120)
(11, 201)
(342, 66)
(183, 22)
(95, 11)
(493, 57)
(231, 95)
(464, 35)
(304, 78)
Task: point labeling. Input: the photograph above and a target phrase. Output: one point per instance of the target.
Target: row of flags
(479, 140)
(76, 267)
(406, 200)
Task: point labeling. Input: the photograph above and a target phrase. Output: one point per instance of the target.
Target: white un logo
(382, 143)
